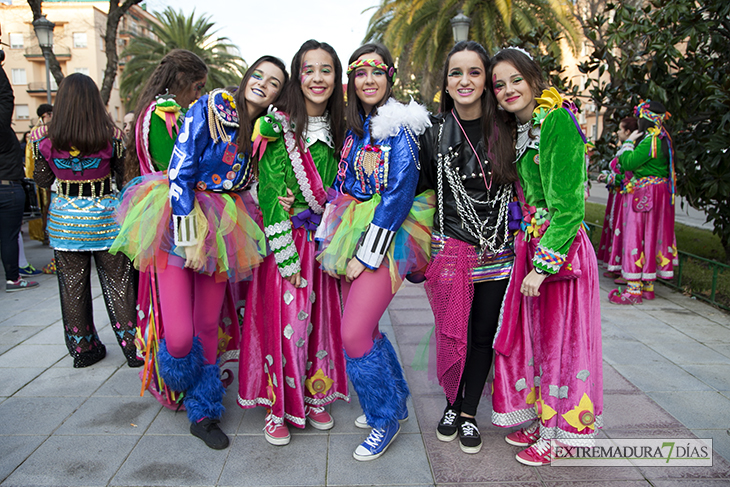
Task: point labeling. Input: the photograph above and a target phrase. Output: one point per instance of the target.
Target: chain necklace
(465, 206)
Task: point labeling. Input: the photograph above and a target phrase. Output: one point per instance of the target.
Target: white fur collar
(394, 115)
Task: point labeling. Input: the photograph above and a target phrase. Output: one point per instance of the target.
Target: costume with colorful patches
(548, 362)
(292, 344)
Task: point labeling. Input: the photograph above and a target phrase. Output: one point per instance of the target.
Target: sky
(279, 27)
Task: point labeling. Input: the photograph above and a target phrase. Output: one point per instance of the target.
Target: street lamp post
(460, 27)
(44, 32)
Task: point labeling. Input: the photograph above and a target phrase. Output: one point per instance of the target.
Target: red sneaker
(648, 295)
(318, 417)
(524, 436)
(276, 431)
(620, 281)
(536, 455)
(611, 274)
(618, 297)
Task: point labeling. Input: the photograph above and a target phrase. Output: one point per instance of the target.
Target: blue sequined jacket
(384, 161)
(205, 158)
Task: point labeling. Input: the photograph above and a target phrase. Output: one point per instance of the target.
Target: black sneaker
(209, 431)
(86, 359)
(469, 439)
(448, 426)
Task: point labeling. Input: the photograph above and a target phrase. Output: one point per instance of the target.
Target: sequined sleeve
(42, 173)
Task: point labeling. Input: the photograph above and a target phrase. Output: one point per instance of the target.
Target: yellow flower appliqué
(223, 339)
(640, 262)
(661, 260)
(581, 416)
(74, 152)
(319, 383)
(544, 411)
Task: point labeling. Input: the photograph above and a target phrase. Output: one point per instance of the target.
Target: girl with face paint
(294, 365)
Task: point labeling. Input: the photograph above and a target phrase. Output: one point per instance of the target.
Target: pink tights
(191, 306)
(366, 299)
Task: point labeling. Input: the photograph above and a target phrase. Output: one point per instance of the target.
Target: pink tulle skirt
(233, 243)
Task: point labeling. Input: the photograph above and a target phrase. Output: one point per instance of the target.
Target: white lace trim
(278, 227)
(301, 175)
(285, 254)
(513, 418)
(280, 241)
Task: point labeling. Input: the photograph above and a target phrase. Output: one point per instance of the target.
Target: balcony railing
(61, 52)
(40, 87)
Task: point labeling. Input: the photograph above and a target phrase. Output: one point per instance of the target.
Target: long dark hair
(80, 119)
(497, 132)
(354, 113)
(245, 123)
(644, 124)
(292, 99)
(177, 71)
(522, 63)
(629, 123)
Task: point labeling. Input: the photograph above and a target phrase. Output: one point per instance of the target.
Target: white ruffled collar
(318, 128)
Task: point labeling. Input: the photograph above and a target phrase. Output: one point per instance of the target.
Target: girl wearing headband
(649, 246)
(548, 363)
(294, 364)
(192, 226)
(467, 158)
(374, 234)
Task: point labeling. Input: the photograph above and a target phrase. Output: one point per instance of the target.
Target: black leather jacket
(454, 146)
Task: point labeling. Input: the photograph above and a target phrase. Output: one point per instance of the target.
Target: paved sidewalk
(666, 374)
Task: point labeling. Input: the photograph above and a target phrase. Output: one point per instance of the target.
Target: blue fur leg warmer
(374, 382)
(205, 398)
(396, 369)
(181, 373)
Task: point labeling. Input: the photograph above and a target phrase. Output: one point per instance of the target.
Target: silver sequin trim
(583, 375)
(278, 227)
(288, 332)
(521, 384)
(288, 297)
(310, 327)
(321, 354)
(312, 297)
(563, 392)
(300, 343)
(290, 382)
(553, 390)
(303, 315)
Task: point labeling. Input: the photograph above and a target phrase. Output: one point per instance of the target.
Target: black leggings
(482, 326)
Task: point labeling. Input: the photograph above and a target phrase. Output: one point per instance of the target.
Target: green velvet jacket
(161, 144)
(553, 178)
(639, 160)
(275, 176)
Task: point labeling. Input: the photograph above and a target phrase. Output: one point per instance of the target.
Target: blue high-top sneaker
(373, 380)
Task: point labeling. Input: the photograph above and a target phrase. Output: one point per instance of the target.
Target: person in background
(12, 195)
(79, 150)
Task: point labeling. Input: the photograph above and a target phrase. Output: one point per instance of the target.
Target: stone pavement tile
(495, 484)
(661, 377)
(720, 439)
(14, 334)
(689, 483)
(418, 380)
(31, 313)
(12, 380)
(628, 318)
(50, 335)
(494, 463)
(114, 358)
(33, 355)
(253, 462)
(4, 347)
(689, 352)
(613, 382)
(720, 470)
(412, 290)
(411, 335)
(110, 416)
(404, 463)
(602, 482)
(14, 450)
(564, 475)
(419, 317)
(124, 381)
(409, 303)
(171, 460)
(717, 376)
(677, 316)
(706, 333)
(36, 415)
(698, 409)
(617, 352)
(652, 332)
(170, 423)
(72, 461)
(723, 348)
(62, 382)
(614, 332)
(637, 411)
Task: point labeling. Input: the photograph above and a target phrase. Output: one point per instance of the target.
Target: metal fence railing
(717, 268)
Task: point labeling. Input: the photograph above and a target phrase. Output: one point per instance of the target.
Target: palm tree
(418, 32)
(176, 31)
